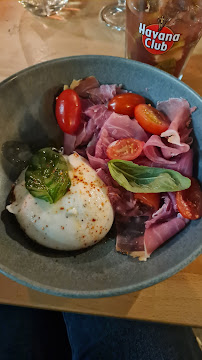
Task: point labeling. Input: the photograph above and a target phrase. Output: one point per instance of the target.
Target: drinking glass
(43, 7)
(163, 33)
(114, 15)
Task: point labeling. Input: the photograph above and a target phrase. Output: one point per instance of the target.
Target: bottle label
(157, 40)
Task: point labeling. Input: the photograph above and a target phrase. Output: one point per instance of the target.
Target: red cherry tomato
(151, 120)
(68, 111)
(152, 199)
(125, 149)
(189, 201)
(125, 103)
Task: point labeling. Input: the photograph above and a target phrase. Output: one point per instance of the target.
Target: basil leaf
(144, 179)
(47, 176)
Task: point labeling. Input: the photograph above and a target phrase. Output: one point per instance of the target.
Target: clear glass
(114, 15)
(43, 7)
(163, 33)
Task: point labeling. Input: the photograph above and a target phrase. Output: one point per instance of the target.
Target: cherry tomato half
(189, 201)
(125, 149)
(125, 103)
(151, 199)
(68, 111)
(151, 120)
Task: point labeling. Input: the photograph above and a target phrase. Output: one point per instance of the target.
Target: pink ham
(96, 163)
(152, 151)
(131, 243)
(115, 127)
(102, 94)
(179, 113)
(143, 160)
(97, 115)
(69, 143)
(121, 201)
(86, 84)
(121, 126)
(125, 205)
(133, 239)
(165, 212)
(105, 176)
(104, 141)
(85, 104)
(162, 225)
(184, 164)
(139, 231)
(158, 234)
(160, 151)
(172, 196)
(130, 236)
(105, 93)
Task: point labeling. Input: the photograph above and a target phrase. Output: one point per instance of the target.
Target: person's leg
(32, 334)
(93, 337)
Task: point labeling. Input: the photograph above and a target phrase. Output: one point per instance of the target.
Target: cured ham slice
(134, 240)
(140, 230)
(162, 152)
(82, 86)
(158, 234)
(178, 112)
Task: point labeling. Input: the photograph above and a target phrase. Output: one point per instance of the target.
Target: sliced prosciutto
(102, 94)
(69, 143)
(104, 141)
(158, 234)
(134, 240)
(139, 238)
(97, 115)
(178, 112)
(115, 127)
(160, 151)
(140, 229)
(184, 164)
(95, 162)
(153, 149)
(130, 237)
(83, 86)
(121, 126)
(165, 212)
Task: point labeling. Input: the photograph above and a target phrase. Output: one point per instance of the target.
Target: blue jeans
(31, 334)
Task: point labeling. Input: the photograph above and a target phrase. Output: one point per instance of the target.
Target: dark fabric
(31, 334)
(102, 338)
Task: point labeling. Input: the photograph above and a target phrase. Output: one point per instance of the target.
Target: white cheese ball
(81, 218)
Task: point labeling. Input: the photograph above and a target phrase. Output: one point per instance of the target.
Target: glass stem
(121, 2)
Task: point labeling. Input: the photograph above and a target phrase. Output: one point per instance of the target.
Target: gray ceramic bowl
(28, 123)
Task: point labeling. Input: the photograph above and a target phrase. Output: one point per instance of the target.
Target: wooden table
(26, 40)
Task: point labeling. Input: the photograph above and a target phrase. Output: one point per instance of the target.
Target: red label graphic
(155, 41)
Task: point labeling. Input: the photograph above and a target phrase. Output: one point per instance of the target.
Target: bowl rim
(77, 294)
(95, 57)
(23, 280)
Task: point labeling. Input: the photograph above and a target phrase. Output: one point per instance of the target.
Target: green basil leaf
(144, 179)
(47, 176)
